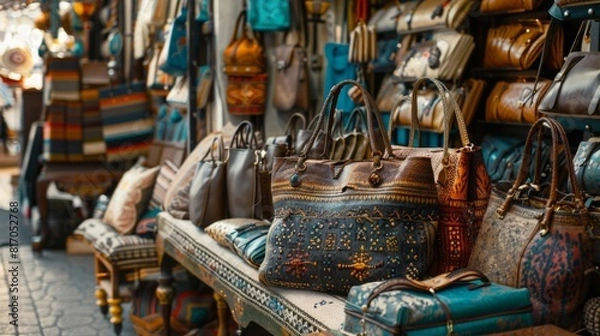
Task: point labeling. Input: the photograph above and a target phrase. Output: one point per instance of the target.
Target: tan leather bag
(515, 101)
(508, 6)
(291, 78)
(432, 14)
(430, 110)
(244, 56)
(519, 45)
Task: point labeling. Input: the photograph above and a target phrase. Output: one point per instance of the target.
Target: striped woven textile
(73, 131)
(128, 127)
(54, 134)
(64, 78)
(93, 137)
(166, 174)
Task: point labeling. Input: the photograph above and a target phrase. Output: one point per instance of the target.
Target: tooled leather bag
(463, 184)
(537, 240)
(344, 223)
(515, 101)
(518, 45)
(508, 6)
(291, 78)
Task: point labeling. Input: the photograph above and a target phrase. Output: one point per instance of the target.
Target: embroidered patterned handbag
(530, 240)
(342, 223)
(462, 181)
(462, 302)
(269, 15)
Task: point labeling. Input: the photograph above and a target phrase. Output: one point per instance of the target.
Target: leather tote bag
(208, 199)
(536, 241)
(291, 78)
(516, 101)
(462, 182)
(243, 192)
(343, 223)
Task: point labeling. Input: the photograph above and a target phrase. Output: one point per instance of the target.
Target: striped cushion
(93, 138)
(166, 174)
(127, 249)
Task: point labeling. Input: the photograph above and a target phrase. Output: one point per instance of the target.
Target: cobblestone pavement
(55, 296)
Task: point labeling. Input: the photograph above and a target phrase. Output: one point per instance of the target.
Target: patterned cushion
(128, 249)
(93, 229)
(163, 181)
(220, 229)
(130, 198)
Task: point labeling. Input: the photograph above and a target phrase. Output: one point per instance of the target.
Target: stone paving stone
(29, 330)
(54, 331)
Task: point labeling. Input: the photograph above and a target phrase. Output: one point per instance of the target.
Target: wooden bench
(236, 285)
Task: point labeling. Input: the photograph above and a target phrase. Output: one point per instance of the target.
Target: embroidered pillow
(163, 182)
(130, 199)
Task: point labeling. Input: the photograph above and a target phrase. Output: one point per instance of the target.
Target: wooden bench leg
(101, 300)
(116, 314)
(165, 291)
(222, 314)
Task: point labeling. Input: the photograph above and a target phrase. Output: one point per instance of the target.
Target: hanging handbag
(518, 45)
(363, 44)
(208, 200)
(575, 90)
(463, 302)
(269, 15)
(156, 78)
(244, 56)
(462, 183)
(202, 10)
(173, 57)
(515, 101)
(338, 69)
(343, 223)
(508, 6)
(178, 96)
(587, 166)
(528, 240)
(243, 192)
(291, 78)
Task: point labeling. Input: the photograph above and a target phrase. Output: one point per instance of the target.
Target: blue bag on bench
(462, 302)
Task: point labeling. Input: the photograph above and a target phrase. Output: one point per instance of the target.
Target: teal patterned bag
(462, 302)
(269, 15)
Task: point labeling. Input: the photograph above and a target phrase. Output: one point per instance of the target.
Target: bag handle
(358, 119)
(244, 136)
(296, 122)
(218, 145)
(240, 23)
(380, 149)
(559, 136)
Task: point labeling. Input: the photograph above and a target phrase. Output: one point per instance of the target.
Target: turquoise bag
(202, 11)
(462, 302)
(339, 69)
(581, 11)
(269, 15)
(175, 60)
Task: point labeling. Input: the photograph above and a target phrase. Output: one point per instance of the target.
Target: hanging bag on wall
(173, 57)
(462, 182)
(269, 15)
(292, 77)
(128, 127)
(343, 223)
(539, 241)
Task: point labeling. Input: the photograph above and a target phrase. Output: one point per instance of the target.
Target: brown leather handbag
(244, 56)
(291, 78)
(518, 45)
(516, 101)
(463, 184)
(534, 237)
(508, 6)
